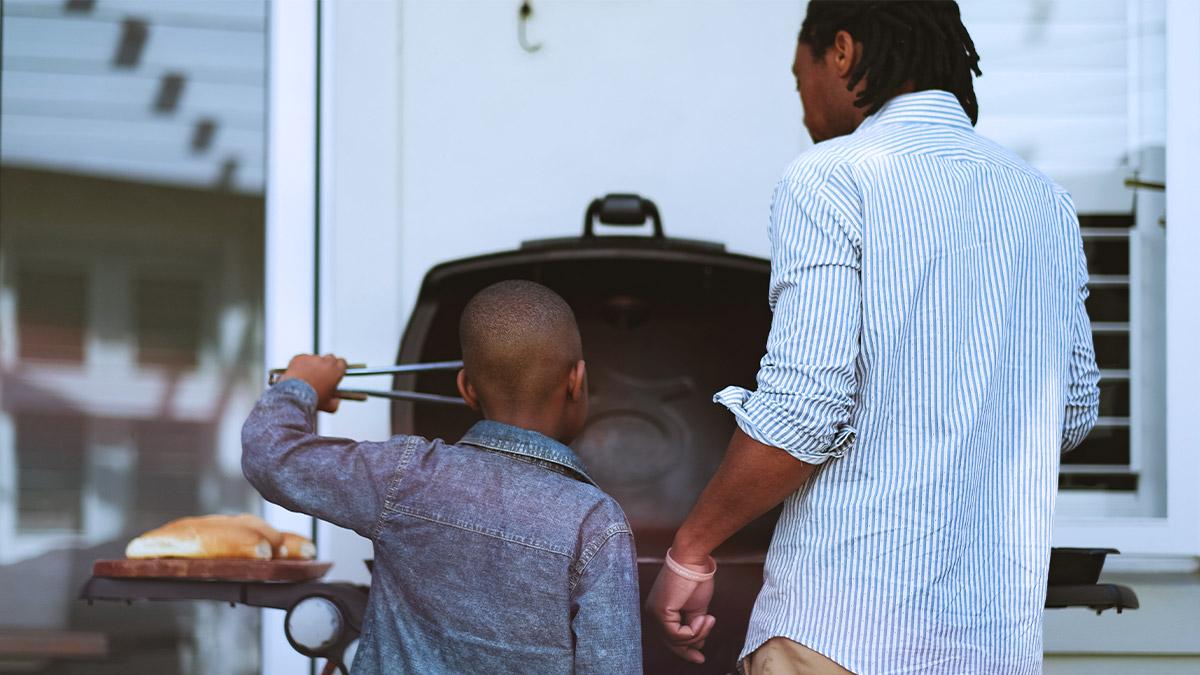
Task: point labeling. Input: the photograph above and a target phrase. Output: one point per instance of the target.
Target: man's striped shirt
(931, 350)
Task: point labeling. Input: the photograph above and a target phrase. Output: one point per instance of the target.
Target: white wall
(1066, 87)
(692, 105)
(442, 138)
(360, 279)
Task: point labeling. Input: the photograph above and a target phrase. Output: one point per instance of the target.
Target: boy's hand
(322, 373)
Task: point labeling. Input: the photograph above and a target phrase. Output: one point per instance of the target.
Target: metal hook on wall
(523, 16)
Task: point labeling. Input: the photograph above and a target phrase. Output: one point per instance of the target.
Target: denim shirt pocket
(389, 502)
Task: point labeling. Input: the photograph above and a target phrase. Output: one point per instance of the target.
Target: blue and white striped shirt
(930, 348)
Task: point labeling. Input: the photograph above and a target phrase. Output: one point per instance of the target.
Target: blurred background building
(191, 190)
(131, 258)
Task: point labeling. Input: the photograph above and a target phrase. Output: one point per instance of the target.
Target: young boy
(496, 554)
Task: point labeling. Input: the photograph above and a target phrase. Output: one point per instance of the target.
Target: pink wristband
(689, 574)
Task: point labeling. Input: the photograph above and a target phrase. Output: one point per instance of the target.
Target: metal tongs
(360, 370)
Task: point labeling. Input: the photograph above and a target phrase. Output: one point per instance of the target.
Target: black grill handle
(622, 210)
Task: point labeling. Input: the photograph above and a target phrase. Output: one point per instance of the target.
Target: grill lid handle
(621, 209)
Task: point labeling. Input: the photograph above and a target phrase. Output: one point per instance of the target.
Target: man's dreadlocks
(922, 43)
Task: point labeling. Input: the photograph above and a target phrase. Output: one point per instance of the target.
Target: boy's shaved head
(519, 341)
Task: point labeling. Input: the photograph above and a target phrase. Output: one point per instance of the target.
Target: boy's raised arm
(605, 615)
(334, 479)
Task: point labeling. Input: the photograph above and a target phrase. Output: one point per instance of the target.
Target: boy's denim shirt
(494, 555)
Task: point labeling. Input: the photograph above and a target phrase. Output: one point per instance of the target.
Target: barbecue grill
(665, 323)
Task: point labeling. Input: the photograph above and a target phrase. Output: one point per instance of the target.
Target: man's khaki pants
(781, 656)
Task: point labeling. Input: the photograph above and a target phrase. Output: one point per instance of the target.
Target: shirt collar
(931, 106)
(506, 438)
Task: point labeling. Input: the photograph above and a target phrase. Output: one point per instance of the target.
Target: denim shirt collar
(500, 437)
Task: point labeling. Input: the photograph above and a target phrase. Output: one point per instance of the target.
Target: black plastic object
(1077, 566)
(622, 209)
(1098, 597)
(1072, 581)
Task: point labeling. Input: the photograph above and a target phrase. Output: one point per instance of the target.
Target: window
(1104, 460)
(170, 471)
(1078, 89)
(51, 313)
(50, 473)
(131, 258)
(169, 326)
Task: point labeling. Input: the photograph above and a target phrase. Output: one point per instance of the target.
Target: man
(929, 358)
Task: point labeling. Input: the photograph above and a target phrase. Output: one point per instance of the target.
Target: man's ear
(576, 381)
(467, 390)
(844, 53)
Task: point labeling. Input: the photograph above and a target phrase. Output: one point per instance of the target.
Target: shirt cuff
(767, 426)
(297, 390)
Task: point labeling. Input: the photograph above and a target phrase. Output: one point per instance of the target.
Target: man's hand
(751, 480)
(323, 373)
(678, 608)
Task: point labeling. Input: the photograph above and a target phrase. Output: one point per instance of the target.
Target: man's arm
(334, 479)
(605, 618)
(752, 479)
(1083, 390)
(800, 414)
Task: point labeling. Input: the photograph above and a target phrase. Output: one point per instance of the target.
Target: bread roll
(272, 535)
(295, 547)
(201, 537)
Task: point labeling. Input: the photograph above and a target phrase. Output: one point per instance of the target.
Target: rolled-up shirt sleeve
(807, 379)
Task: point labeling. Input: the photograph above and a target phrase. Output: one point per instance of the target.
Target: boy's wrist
(288, 377)
(322, 373)
(299, 389)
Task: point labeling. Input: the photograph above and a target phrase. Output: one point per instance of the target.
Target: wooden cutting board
(213, 570)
